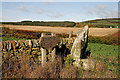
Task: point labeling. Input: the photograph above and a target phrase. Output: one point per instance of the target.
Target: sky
(57, 11)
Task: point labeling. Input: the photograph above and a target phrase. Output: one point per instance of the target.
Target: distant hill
(100, 23)
(97, 23)
(43, 23)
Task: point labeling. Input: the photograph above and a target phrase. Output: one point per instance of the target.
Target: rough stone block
(88, 64)
(49, 42)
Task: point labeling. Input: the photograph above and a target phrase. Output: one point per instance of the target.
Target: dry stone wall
(47, 47)
(33, 48)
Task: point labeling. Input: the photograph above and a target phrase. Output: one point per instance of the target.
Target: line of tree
(42, 23)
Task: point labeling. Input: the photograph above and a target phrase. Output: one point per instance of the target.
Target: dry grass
(92, 31)
(20, 68)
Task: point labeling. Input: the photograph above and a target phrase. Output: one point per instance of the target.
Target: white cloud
(41, 11)
(56, 15)
(102, 11)
(23, 8)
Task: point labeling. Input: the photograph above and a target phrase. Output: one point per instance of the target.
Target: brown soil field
(92, 31)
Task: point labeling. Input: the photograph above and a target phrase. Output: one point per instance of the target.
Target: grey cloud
(102, 11)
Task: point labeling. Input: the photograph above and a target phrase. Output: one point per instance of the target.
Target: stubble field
(92, 31)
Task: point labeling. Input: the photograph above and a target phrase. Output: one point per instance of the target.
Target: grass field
(108, 54)
(101, 23)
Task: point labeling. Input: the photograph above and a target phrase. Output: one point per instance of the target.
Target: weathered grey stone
(17, 44)
(53, 54)
(9, 45)
(53, 34)
(26, 43)
(78, 45)
(35, 43)
(88, 64)
(49, 42)
(20, 43)
(70, 34)
(43, 51)
(43, 34)
(30, 44)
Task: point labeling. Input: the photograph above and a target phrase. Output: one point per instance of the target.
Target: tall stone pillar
(43, 51)
(53, 54)
(70, 34)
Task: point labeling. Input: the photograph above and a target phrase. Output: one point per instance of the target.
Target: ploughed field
(92, 31)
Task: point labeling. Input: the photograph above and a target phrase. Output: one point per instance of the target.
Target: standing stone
(13, 44)
(43, 34)
(17, 44)
(53, 34)
(26, 43)
(30, 44)
(78, 45)
(35, 42)
(70, 34)
(43, 51)
(53, 54)
(20, 43)
(10, 46)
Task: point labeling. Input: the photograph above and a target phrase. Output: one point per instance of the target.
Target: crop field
(92, 31)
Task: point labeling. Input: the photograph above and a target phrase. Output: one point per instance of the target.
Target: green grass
(101, 23)
(103, 49)
(106, 53)
(11, 38)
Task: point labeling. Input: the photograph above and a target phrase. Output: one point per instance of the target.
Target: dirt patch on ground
(92, 31)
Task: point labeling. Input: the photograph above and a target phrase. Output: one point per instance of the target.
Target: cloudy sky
(58, 11)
